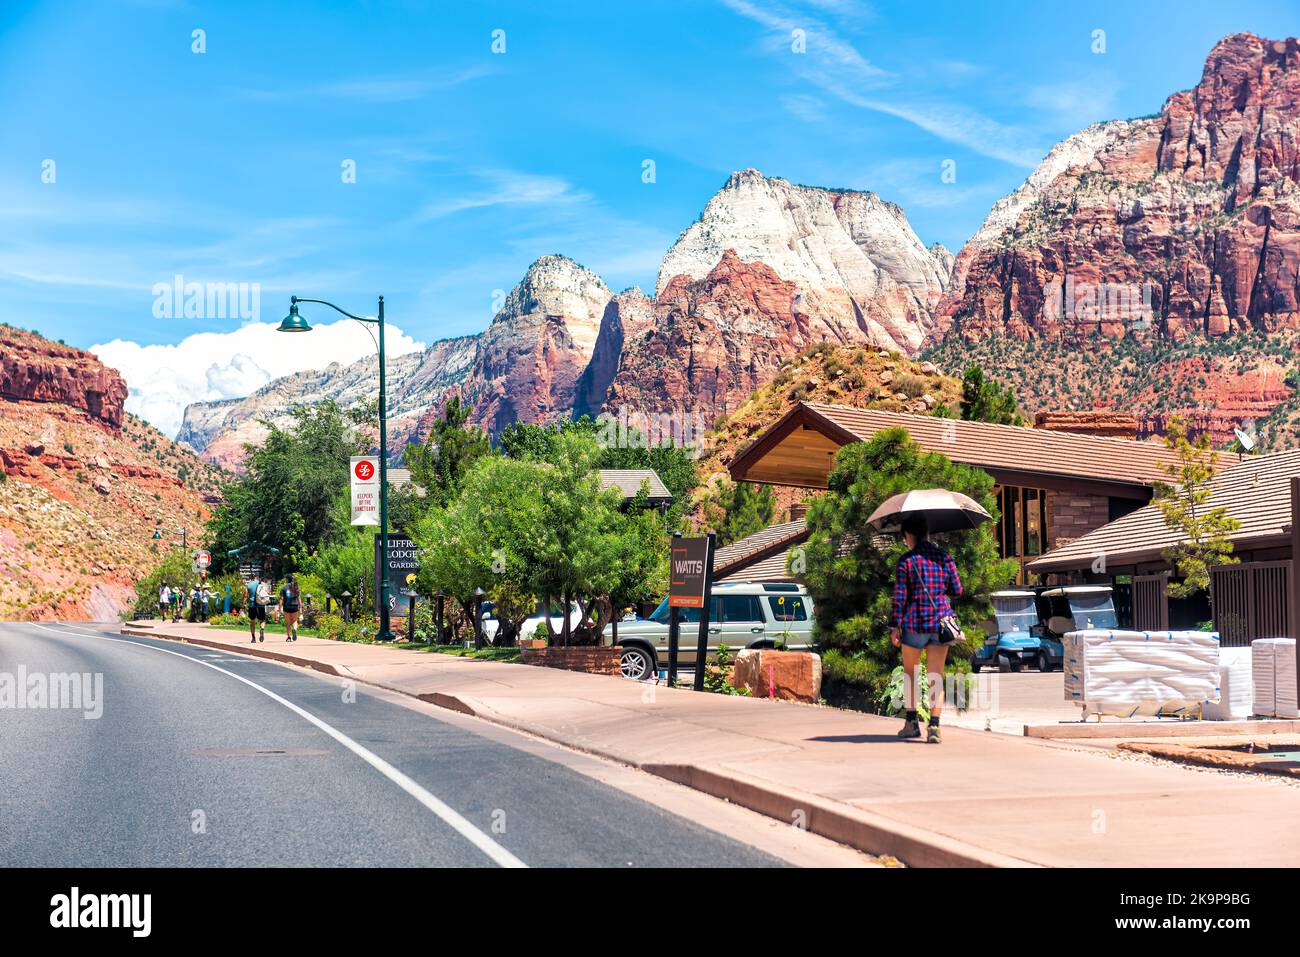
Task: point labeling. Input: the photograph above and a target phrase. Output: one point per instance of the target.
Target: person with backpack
(292, 605)
(256, 609)
(922, 621)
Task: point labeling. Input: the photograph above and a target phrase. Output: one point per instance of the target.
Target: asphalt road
(190, 766)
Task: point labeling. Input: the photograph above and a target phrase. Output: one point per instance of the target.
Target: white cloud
(163, 379)
(508, 188)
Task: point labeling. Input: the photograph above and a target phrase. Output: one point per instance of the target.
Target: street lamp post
(296, 323)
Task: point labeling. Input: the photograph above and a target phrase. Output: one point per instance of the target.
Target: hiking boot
(932, 735)
(911, 729)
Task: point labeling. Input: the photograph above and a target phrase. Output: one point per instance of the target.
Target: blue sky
(226, 166)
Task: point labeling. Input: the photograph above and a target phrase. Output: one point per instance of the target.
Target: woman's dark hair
(916, 525)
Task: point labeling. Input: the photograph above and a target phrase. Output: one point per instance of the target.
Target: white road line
(449, 815)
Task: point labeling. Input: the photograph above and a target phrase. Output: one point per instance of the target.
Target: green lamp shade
(294, 322)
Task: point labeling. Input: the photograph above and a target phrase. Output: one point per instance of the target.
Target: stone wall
(1070, 516)
(593, 659)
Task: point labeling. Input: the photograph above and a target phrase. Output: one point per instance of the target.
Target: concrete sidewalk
(979, 798)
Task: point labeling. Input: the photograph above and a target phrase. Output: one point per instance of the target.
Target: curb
(844, 824)
(1170, 729)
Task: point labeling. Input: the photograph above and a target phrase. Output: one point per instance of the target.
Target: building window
(1022, 529)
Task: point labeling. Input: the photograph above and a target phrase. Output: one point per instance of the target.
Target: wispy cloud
(834, 65)
(507, 188)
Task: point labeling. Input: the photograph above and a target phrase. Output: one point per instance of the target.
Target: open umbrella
(944, 511)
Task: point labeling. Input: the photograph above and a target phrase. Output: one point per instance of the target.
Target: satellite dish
(1245, 438)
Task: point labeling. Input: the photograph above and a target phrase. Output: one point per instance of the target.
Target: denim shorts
(919, 639)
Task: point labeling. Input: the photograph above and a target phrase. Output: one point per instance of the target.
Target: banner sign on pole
(365, 489)
(403, 565)
(688, 572)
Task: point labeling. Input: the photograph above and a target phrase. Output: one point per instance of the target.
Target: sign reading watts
(688, 563)
(364, 474)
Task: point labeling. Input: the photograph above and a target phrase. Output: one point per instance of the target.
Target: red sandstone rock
(714, 342)
(1200, 203)
(33, 369)
(1120, 425)
(787, 675)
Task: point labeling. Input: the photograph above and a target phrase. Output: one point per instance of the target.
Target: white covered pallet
(1236, 689)
(1273, 662)
(1132, 673)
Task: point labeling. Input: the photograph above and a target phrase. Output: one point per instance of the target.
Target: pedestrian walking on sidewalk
(178, 595)
(925, 577)
(256, 609)
(164, 601)
(292, 606)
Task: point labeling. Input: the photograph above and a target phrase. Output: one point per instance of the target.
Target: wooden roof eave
(1117, 560)
(799, 416)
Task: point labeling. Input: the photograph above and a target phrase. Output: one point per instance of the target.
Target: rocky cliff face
(82, 485)
(416, 381)
(527, 364)
(768, 269)
(34, 369)
(713, 341)
(861, 272)
(1177, 235)
(628, 319)
(1196, 210)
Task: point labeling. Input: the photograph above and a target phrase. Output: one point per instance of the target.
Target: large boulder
(787, 675)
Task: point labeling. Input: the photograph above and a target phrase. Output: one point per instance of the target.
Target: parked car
(741, 615)
(1014, 635)
(491, 624)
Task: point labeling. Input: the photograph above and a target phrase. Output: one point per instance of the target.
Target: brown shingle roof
(1014, 448)
(1256, 490)
(770, 569)
(628, 482)
(744, 551)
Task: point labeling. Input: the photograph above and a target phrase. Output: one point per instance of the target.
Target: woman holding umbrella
(922, 620)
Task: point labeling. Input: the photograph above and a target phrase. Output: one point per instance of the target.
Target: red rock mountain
(527, 363)
(83, 485)
(769, 268)
(1178, 230)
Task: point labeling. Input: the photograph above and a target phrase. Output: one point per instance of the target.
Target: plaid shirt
(930, 566)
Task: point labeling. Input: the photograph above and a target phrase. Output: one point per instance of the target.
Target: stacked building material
(1132, 673)
(1273, 663)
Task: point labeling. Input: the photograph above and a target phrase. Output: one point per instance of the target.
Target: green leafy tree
(984, 400)
(343, 563)
(1205, 533)
(675, 465)
(849, 569)
(735, 510)
(525, 530)
(290, 495)
(487, 537)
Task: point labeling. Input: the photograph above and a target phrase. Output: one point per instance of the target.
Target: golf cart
(1014, 635)
(1074, 608)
